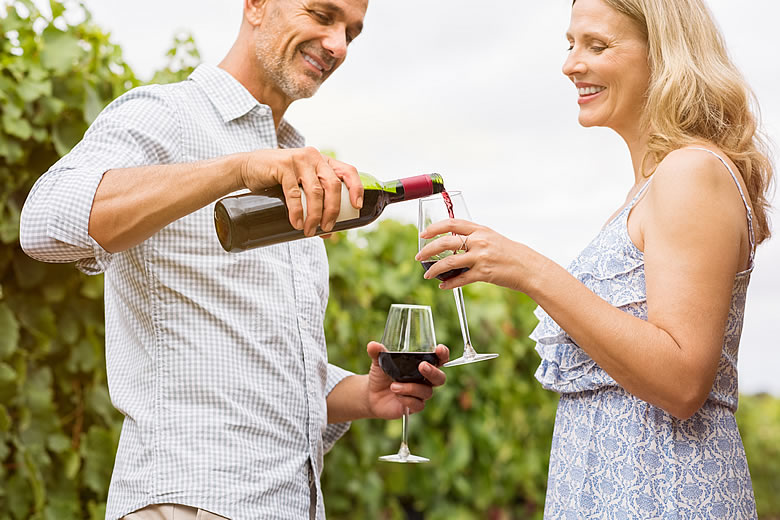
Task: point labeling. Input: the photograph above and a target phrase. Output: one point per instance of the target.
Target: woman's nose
(573, 64)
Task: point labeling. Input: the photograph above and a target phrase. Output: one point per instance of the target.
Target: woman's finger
(455, 243)
(462, 279)
(449, 263)
(449, 225)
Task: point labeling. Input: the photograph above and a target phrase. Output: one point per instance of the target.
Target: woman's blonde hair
(697, 93)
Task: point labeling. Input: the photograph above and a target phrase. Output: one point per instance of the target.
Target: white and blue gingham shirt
(217, 360)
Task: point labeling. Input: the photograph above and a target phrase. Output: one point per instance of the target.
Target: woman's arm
(692, 228)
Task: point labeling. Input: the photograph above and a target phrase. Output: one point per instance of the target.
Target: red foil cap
(416, 187)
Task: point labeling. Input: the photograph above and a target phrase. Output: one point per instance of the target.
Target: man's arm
(132, 204)
(124, 182)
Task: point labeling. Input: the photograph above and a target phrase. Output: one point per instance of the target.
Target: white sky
(473, 90)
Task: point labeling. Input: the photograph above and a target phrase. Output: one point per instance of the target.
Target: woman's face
(608, 64)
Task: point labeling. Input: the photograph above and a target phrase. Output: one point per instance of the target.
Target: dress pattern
(614, 456)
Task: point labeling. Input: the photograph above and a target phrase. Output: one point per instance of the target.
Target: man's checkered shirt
(217, 360)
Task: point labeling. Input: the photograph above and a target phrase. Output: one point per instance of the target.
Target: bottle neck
(410, 188)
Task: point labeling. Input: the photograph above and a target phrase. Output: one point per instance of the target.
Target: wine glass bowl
(410, 339)
(435, 209)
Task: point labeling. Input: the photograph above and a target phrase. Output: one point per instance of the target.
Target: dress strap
(751, 233)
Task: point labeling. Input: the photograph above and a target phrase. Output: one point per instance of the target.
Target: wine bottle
(256, 219)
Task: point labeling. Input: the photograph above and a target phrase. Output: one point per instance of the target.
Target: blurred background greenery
(487, 432)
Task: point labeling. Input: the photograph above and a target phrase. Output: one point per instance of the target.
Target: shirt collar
(232, 100)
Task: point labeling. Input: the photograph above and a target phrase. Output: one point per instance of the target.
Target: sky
(477, 94)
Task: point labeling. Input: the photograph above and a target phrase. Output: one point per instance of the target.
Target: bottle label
(347, 211)
(416, 187)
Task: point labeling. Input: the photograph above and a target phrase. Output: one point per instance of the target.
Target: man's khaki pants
(171, 512)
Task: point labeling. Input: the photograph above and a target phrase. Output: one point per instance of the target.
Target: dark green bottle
(259, 219)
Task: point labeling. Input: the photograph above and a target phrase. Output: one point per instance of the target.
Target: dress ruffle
(619, 280)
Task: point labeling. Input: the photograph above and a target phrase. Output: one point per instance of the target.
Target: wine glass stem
(464, 326)
(403, 451)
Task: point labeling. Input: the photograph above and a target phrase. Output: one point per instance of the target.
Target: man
(217, 360)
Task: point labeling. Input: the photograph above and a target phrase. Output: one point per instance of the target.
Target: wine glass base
(464, 360)
(409, 459)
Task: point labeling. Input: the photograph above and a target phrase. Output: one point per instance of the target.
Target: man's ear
(254, 10)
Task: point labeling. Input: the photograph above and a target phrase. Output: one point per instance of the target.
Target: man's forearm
(348, 400)
(132, 204)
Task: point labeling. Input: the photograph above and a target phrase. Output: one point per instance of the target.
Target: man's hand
(387, 398)
(303, 171)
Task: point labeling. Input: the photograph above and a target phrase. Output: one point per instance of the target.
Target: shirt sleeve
(333, 432)
(139, 128)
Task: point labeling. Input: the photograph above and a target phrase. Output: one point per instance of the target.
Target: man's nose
(336, 43)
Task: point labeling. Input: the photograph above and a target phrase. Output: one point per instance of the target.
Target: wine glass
(409, 339)
(434, 209)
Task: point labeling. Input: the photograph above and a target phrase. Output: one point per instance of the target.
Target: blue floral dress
(614, 456)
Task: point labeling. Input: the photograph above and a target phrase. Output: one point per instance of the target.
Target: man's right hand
(304, 172)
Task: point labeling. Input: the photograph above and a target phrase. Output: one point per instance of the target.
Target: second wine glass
(434, 209)
(409, 339)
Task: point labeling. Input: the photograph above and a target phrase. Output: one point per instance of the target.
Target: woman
(640, 335)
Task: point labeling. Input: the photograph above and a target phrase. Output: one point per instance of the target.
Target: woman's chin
(586, 121)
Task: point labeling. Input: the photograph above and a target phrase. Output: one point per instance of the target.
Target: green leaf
(9, 226)
(58, 442)
(48, 110)
(98, 450)
(93, 104)
(82, 357)
(67, 133)
(38, 320)
(30, 89)
(7, 374)
(9, 332)
(60, 50)
(12, 150)
(16, 127)
(35, 479)
(19, 495)
(72, 464)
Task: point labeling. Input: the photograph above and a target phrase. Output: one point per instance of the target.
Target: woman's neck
(642, 164)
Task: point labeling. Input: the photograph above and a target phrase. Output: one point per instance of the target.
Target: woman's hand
(489, 256)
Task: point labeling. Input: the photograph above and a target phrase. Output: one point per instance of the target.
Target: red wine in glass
(452, 273)
(403, 366)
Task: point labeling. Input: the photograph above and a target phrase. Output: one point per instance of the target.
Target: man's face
(301, 42)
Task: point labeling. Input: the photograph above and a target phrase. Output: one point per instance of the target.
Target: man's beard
(279, 71)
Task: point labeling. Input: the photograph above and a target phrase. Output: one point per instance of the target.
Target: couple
(639, 335)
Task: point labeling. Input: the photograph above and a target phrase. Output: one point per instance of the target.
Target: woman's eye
(598, 48)
(570, 47)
